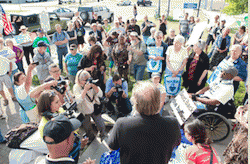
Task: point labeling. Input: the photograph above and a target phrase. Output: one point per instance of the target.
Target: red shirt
(200, 155)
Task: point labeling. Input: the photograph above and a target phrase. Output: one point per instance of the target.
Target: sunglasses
(72, 49)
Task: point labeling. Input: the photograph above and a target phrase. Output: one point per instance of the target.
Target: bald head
(147, 97)
(226, 31)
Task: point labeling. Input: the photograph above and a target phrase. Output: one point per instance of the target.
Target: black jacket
(99, 35)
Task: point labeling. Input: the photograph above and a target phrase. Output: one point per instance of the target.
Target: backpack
(17, 135)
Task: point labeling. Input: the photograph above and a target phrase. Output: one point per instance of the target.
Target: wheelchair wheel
(216, 124)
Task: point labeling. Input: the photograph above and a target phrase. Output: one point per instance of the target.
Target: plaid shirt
(218, 42)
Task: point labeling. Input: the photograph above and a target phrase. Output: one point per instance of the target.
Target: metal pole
(159, 8)
(211, 6)
(168, 7)
(199, 8)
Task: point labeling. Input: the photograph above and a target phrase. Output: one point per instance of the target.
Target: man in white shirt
(117, 28)
(220, 91)
(5, 73)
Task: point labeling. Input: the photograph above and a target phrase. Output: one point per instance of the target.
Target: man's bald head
(147, 97)
(226, 31)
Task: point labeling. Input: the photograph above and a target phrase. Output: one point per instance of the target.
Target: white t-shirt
(9, 53)
(84, 105)
(222, 91)
(4, 65)
(176, 59)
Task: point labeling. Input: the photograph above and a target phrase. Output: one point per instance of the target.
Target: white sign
(197, 31)
(154, 65)
(182, 106)
(44, 21)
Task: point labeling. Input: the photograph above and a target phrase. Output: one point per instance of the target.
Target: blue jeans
(1, 137)
(185, 35)
(61, 52)
(145, 38)
(20, 66)
(139, 72)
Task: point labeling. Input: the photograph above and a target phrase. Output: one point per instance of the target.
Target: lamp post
(199, 8)
(168, 7)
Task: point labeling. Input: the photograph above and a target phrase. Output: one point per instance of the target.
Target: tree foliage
(236, 7)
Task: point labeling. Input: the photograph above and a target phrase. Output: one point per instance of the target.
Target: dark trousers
(27, 51)
(236, 85)
(217, 58)
(20, 66)
(123, 106)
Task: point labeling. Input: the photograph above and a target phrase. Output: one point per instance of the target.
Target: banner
(182, 106)
(4, 53)
(154, 65)
(44, 21)
(22, 39)
(217, 72)
(197, 31)
(172, 84)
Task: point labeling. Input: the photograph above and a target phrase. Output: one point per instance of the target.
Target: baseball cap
(60, 128)
(73, 47)
(155, 74)
(40, 30)
(41, 44)
(231, 70)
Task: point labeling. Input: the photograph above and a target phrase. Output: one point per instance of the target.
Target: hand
(93, 67)
(113, 90)
(87, 86)
(190, 95)
(129, 48)
(84, 142)
(124, 94)
(175, 73)
(188, 48)
(128, 62)
(89, 161)
(31, 66)
(52, 83)
(9, 73)
(157, 58)
(199, 83)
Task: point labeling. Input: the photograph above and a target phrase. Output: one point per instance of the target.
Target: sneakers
(2, 116)
(5, 102)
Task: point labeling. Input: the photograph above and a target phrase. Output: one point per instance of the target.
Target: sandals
(5, 102)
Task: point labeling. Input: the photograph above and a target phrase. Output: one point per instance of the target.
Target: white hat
(116, 21)
(23, 28)
(155, 74)
(133, 33)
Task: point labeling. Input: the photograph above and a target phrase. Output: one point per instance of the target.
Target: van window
(32, 19)
(101, 9)
(95, 9)
(53, 16)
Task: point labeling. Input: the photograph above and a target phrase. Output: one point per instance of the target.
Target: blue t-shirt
(110, 84)
(72, 63)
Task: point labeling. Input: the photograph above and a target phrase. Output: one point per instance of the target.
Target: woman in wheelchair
(219, 92)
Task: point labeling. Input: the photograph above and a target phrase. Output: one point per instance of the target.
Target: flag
(8, 28)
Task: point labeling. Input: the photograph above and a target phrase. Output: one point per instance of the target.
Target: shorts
(6, 80)
(209, 39)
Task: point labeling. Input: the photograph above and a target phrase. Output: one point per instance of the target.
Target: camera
(119, 89)
(36, 63)
(91, 81)
(61, 87)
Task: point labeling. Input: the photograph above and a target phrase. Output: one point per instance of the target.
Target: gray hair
(179, 38)
(57, 25)
(201, 44)
(237, 46)
(147, 97)
(81, 75)
(158, 33)
(53, 65)
(152, 30)
(171, 29)
(8, 40)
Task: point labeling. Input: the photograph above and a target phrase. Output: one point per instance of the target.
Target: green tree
(236, 7)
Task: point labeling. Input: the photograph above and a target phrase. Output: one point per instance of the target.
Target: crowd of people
(126, 49)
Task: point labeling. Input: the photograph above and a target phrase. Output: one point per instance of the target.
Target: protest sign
(44, 21)
(197, 31)
(22, 39)
(217, 72)
(154, 65)
(4, 53)
(182, 106)
(172, 84)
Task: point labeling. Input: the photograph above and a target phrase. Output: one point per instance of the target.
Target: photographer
(49, 106)
(117, 90)
(26, 96)
(87, 95)
(55, 74)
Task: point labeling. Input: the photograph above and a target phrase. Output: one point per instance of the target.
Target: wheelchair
(216, 119)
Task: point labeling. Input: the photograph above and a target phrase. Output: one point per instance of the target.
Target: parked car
(144, 2)
(103, 12)
(64, 13)
(124, 3)
(32, 21)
